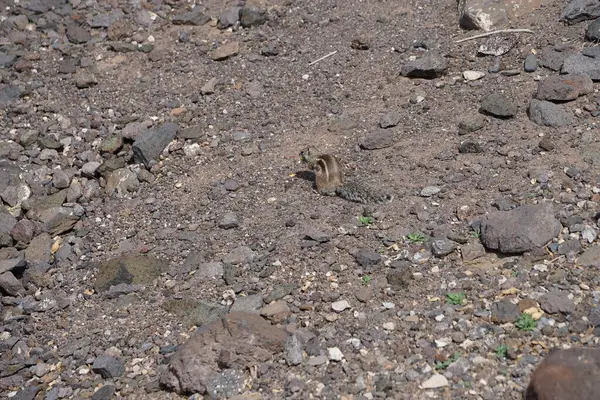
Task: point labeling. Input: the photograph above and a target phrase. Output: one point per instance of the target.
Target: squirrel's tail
(358, 193)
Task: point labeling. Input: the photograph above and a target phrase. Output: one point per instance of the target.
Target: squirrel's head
(308, 155)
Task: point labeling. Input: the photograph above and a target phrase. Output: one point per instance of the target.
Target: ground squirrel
(329, 179)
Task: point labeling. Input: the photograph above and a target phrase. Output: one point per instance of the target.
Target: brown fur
(329, 179)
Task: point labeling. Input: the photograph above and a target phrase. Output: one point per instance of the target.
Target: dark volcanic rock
(431, 65)
(525, 228)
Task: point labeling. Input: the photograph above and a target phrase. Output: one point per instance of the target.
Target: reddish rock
(566, 375)
(23, 231)
(236, 341)
(564, 87)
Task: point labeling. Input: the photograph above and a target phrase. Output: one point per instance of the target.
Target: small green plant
(366, 279)
(501, 351)
(455, 298)
(526, 322)
(366, 220)
(449, 360)
(416, 237)
(475, 234)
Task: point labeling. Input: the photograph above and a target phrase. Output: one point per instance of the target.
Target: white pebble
(389, 326)
(340, 306)
(473, 75)
(436, 381)
(335, 354)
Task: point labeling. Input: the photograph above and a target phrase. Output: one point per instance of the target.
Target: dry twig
(322, 58)
(495, 33)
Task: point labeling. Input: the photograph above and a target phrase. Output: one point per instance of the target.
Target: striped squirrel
(329, 179)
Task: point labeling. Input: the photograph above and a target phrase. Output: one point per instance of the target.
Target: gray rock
(7, 60)
(240, 255)
(472, 251)
(67, 66)
(580, 10)
(248, 304)
(490, 14)
(209, 270)
(240, 136)
(564, 87)
(77, 34)
(194, 17)
(85, 79)
(431, 65)
(48, 154)
(106, 392)
(580, 64)
(441, 247)
(570, 246)
(225, 51)
(226, 384)
(470, 147)
(319, 236)
(229, 221)
(590, 257)
(293, 350)
(60, 179)
(58, 220)
(389, 120)
(108, 367)
(90, 169)
(11, 263)
(429, 191)
(104, 20)
(545, 113)
(9, 94)
(380, 139)
(132, 130)
(139, 270)
(9, 175)
(122, 181)
(37, 205)
(593, 31)
(122, 289)
(203, 313)
(231, 185)
(505, 311)
(525, 228)
(10, 285)
(150, 144)
(498, 105)
(252, 16)
(530, 64)
(27, 393)
(229, 17)
(7, 221)
(367, 258)
(39, 250)
(470, 123)
(194, 133)
(593, 51)
(209, 87)
(554, 303)
(112, 144)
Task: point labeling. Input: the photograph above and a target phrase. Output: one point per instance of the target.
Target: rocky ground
(159, 238)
